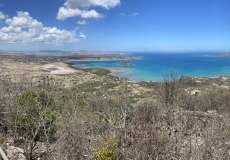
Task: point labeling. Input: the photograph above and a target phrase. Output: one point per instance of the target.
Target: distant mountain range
(52, 51)
(63, 53)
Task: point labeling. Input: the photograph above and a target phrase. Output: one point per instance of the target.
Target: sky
(115, 25)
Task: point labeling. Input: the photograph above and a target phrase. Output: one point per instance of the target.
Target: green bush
(34, 110)
(34, 119)
(106, 152)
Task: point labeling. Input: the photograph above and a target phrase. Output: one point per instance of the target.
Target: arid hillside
(52, 111)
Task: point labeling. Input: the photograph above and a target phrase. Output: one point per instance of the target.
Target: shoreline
(93, 60)
(107, 59)
(116, 71)
(38, 66)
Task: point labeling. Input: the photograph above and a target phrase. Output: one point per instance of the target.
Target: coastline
(115, 71)
(18, 67)
(59, 65)
(85, 59)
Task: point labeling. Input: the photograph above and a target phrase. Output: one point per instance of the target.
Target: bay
(154, 66)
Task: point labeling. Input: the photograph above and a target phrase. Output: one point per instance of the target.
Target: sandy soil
(17, 68)
(58, 68)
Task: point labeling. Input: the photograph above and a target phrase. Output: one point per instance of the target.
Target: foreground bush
(34, 119)
(106, 151)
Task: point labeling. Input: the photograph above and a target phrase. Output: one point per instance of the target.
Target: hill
(51, 111)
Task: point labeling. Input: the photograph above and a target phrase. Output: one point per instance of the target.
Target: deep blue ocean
(153, 66)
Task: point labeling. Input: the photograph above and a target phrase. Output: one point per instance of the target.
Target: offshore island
(60, 111)
(125, 63)
(223, 55)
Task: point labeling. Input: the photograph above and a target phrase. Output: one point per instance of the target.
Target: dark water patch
(52, 69)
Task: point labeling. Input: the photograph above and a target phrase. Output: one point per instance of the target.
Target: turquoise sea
(153, 66)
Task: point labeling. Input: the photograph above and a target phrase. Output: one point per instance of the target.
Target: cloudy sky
(116, 25)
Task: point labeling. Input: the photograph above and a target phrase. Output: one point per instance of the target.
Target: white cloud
(135, 14)
(91, 14)
(11, 29)
(2, 16)
(80, 8)
(24, 29)
(91, 3)
(65, 13)
(83, 22)
(82, 36)
(23, 19)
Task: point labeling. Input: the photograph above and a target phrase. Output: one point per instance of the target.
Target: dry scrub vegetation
(96, 121)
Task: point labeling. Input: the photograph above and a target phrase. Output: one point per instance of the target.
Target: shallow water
(153, 66)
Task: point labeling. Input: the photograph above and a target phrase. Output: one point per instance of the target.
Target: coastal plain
(60, 69)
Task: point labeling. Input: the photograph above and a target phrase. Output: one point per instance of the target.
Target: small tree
(34, 120)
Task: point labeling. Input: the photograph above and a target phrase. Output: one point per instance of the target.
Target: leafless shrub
(169, 89)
